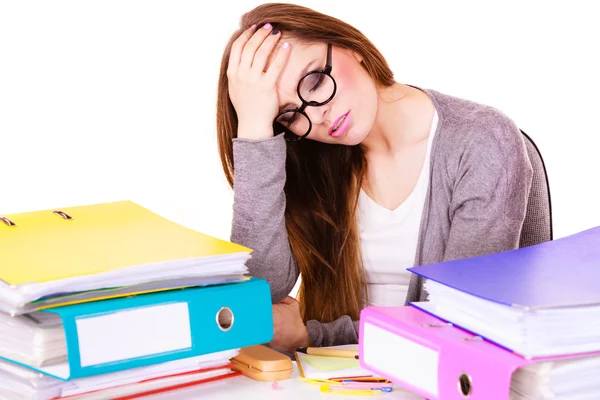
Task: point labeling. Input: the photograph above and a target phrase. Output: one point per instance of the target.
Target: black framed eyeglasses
(315, 89)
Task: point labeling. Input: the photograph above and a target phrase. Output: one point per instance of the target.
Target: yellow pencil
(324, 351)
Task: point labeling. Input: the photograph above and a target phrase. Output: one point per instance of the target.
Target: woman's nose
(318, 114)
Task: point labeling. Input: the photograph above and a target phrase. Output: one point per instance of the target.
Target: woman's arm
(259, 223)
(490, 195)
(341, 331)
(258, 212)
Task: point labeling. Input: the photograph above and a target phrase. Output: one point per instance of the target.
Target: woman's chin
(352, 138)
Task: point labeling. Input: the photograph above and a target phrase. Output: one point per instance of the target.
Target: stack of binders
(521, 324)
(112, 301)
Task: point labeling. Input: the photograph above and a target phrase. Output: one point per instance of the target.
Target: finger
(253, 43)
(238, 45)
(278, 62)
(289, 300)
(264, 51)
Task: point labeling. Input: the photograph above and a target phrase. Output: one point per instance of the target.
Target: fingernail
(286, 45)
(267, 26)
(253, 26)
(275, 31)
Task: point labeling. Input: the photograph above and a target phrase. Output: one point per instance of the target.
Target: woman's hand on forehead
(253, 71)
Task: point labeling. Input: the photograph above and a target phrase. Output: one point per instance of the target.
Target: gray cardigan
(476, 203)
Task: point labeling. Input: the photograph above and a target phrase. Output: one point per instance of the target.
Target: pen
(382, 388)
(348, 383)
(324, 351)
(370, 385)
(361, 379)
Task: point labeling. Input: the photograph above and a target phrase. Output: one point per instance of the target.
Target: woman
(348, 177)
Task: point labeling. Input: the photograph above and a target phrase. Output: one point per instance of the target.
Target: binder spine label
(133, 333)
(403, 358)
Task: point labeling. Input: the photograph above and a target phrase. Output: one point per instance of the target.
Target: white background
(110, 100)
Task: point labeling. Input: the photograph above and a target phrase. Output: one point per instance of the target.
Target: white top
(389, 238)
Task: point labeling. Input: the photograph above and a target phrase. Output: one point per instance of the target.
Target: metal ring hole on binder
(62, 214)
(465, 385)
(437, 324)
(7, 221)
(225, 319)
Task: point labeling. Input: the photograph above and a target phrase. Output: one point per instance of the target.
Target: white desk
(244, 388)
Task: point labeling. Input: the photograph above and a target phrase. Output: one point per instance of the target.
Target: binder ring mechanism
(472, 338)
(62, 214)
(225, 319)
(436, 324)
(7, 221)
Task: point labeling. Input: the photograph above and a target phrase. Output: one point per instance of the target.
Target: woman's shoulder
(469, 125)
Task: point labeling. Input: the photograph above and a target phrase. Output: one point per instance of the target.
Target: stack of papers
(559, 379)
(22, 383)
(36, 339)
(85, 253)
(138, 275)
(528, 332)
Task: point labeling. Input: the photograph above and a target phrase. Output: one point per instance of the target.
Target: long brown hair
(323, 180)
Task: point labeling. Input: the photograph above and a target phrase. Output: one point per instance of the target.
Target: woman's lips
(343, 126)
